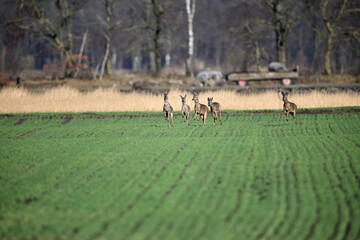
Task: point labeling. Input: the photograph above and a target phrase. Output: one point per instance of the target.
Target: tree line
(187, 35)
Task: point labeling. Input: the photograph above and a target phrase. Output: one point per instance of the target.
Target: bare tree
(333, 15)
(55, 27)
(283, 16)
(81, 51)
(12, 37)
(190, 9)
(146, 32)
(139, 32)
(158, 11)
(310, 13)
(109, 27)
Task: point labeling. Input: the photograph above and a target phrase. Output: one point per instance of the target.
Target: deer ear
(280, 95)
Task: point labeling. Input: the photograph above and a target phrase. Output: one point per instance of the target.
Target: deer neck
(197, 104)
(286, 103)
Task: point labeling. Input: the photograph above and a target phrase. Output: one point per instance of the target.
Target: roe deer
(168, 109)
(199, 108)
(289, 107)
(185, 110)
(215, 109)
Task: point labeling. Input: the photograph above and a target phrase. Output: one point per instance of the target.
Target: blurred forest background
(92, 39)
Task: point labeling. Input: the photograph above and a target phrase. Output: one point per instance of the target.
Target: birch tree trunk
(81, 51)
(107, 50)
(190, 9)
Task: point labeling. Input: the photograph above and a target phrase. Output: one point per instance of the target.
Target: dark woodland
(69, 37)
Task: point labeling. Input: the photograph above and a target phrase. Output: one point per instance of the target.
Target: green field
(129, 176)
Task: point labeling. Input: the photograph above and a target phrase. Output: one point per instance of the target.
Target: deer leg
(215, 117)
(287, 116)
(195, 116)
(220, 117)
(172, 119)
(204, 120)
(294, 115)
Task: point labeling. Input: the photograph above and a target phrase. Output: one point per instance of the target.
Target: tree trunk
(168, 53)
(158, 11)
(328, 52)
(283, 17)
(108, 29)
(69, 48)
(280, 46)
(136, 62)
(109, 71)
(68, 64)
(152, 63)
(329, 28)
(257, 55)
(3, 58)
(106, 57)
(190, 9)
(81, 51)
(315, 60)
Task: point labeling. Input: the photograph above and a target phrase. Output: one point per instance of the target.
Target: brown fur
(199, 108)
(168, 110)
(215, 109)
(185, 110)
(289, 107)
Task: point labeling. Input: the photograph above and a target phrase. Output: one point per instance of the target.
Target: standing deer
(215, 109)
(199, 108)
(185, 110)
(168, 109)
(289, 107)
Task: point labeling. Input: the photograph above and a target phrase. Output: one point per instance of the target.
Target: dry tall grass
(64, 99)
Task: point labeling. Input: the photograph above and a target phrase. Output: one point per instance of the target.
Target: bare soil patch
(86, 115)
(313, 111)
(67, 120)
(21, 121)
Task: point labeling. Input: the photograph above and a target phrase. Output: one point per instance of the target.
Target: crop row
(129, 176)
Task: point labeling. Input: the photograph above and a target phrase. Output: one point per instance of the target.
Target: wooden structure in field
(242, 79)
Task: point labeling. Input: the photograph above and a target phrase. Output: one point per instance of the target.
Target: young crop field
(129, 176)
